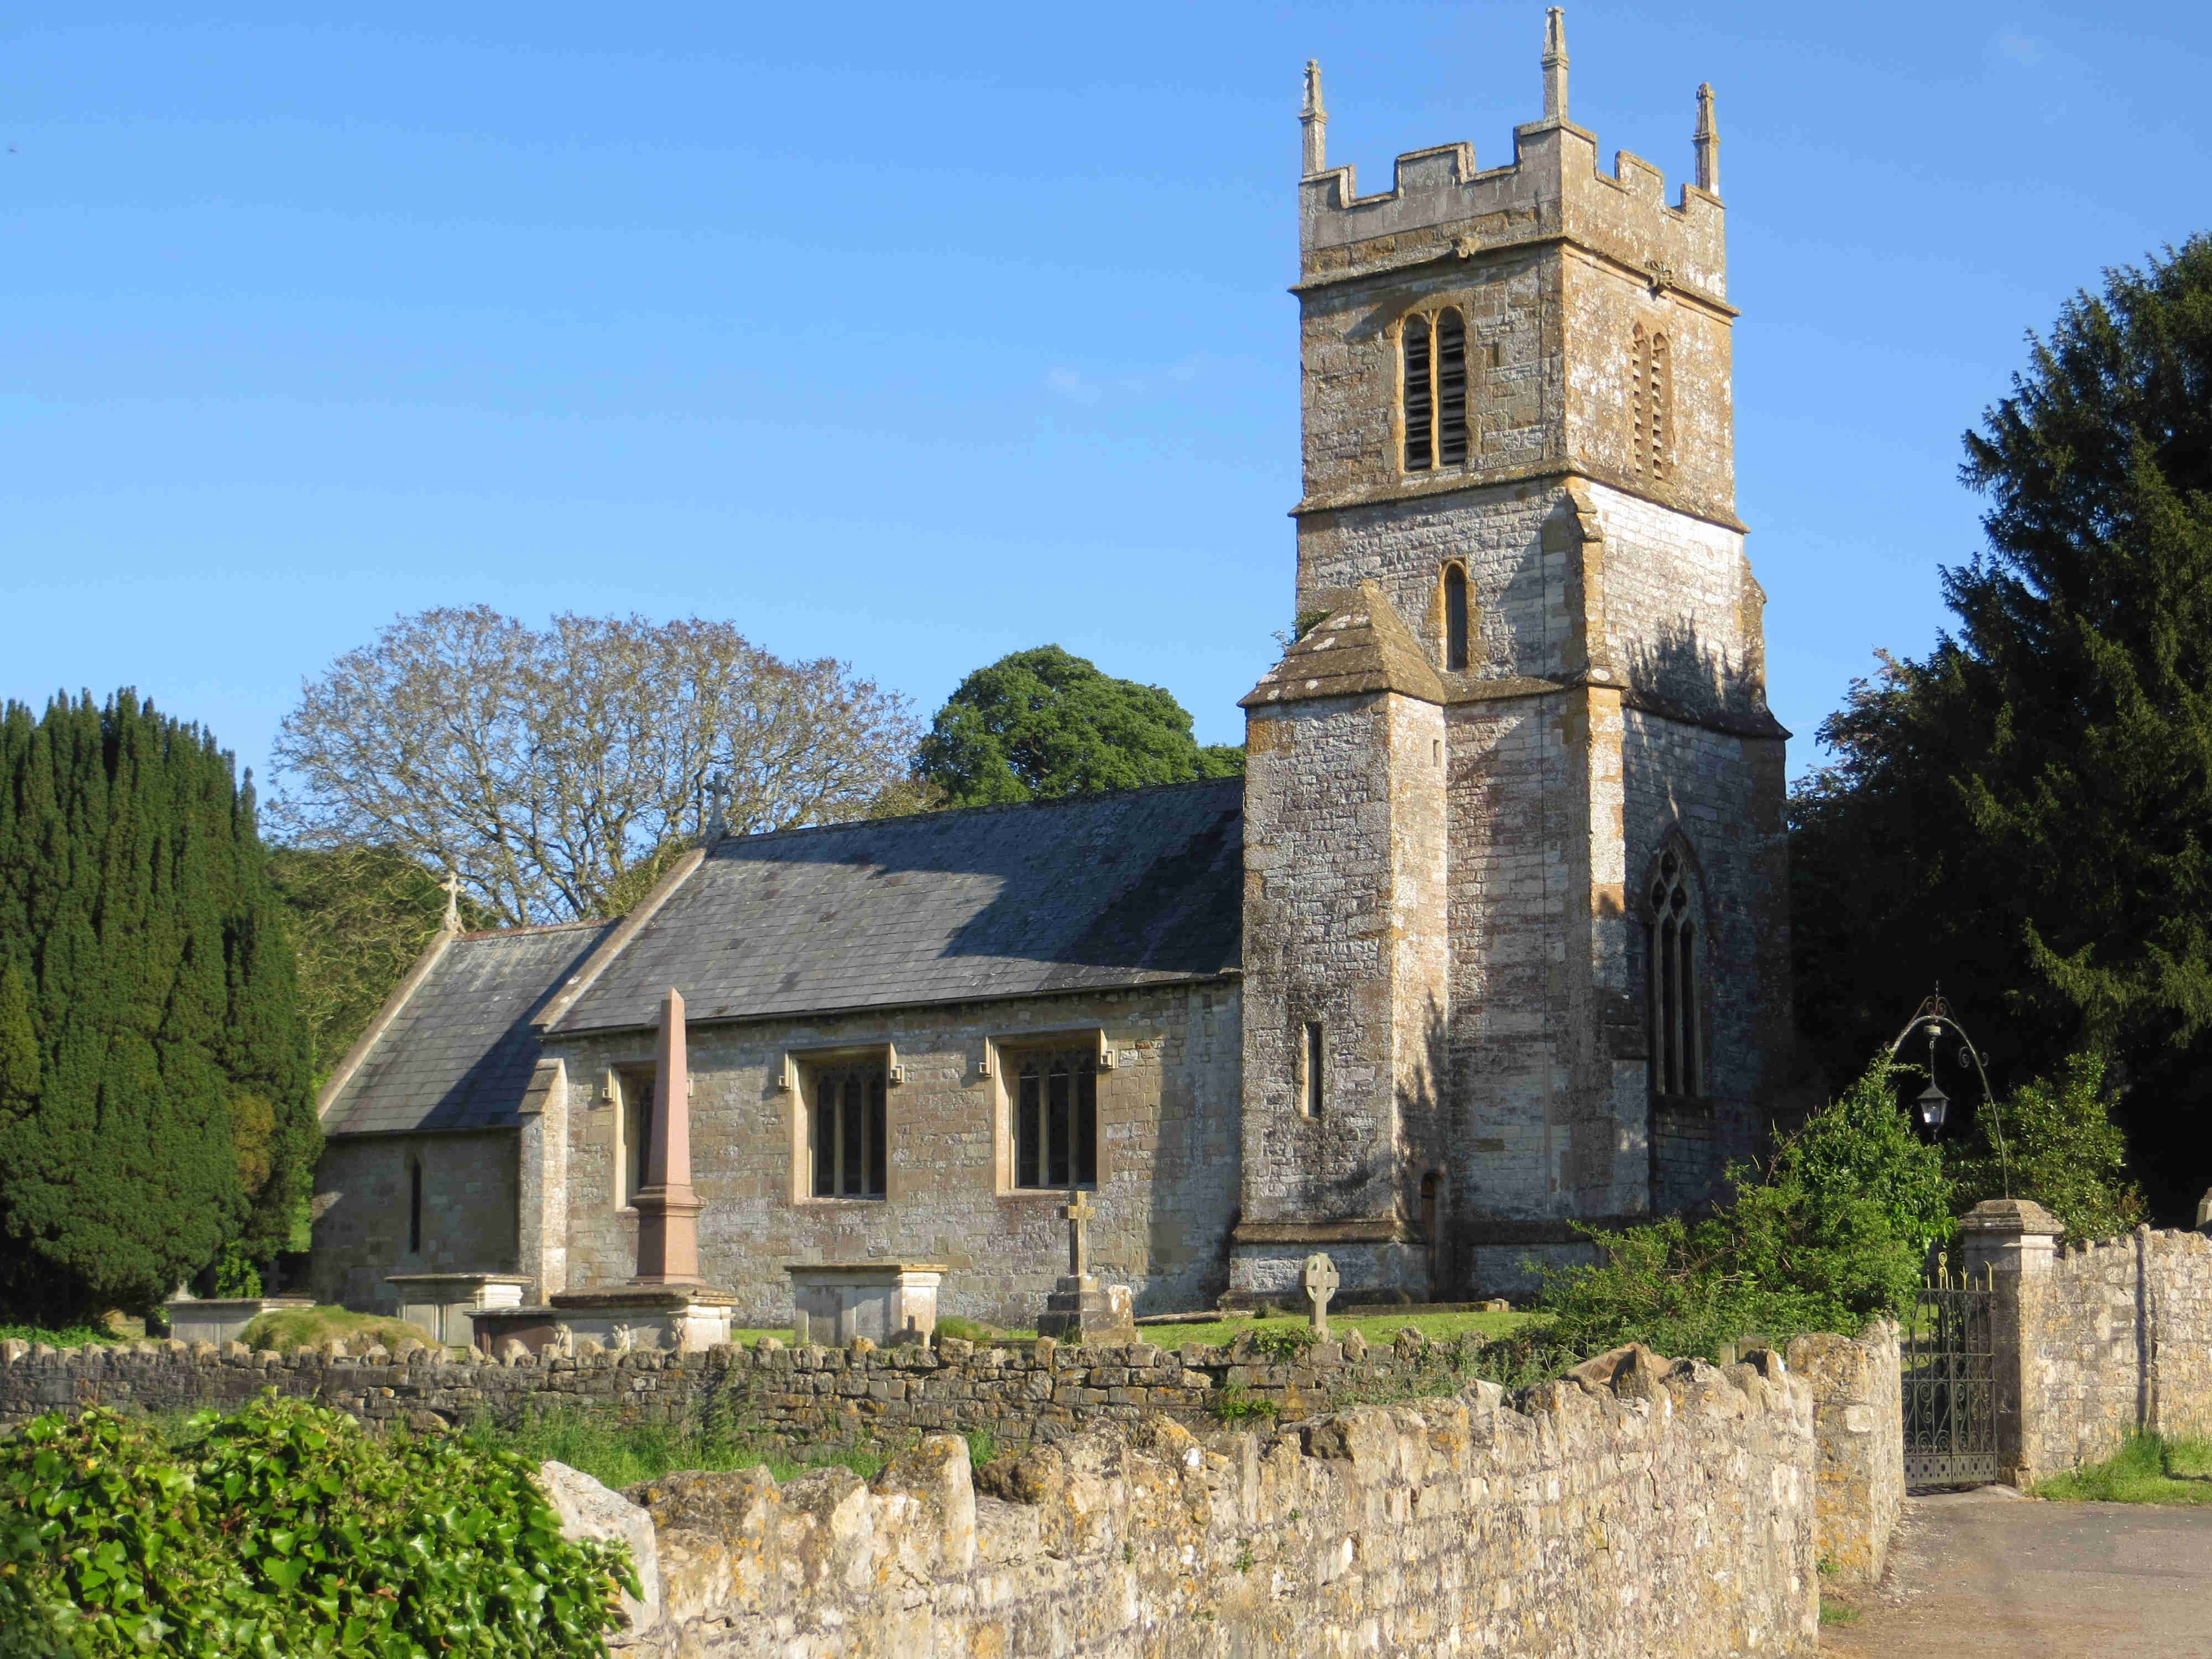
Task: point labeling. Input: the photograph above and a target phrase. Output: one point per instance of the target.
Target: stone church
(1491, 939)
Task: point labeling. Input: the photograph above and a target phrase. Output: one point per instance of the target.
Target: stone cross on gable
(717, 789)
(1078, 1213)
(1321, 1281)
(453, 886)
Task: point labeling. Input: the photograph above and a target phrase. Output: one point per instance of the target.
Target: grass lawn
(1379, 1329)
(2148, 1470)
(68, 1336)
(619, 1454)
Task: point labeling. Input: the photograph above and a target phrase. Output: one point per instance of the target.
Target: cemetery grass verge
(2148, 1470)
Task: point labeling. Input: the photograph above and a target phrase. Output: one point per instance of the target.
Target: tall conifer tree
(2026, 813)
(153, 1073)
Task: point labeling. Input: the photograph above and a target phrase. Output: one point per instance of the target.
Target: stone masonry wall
(1638, 1507)
(2115, 1336)
(1860, 1431)
(806, 1396)
(1168, 1151)
(469, 1207)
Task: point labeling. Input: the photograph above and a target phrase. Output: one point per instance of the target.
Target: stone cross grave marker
(1320, 1282)
(1078, 1213)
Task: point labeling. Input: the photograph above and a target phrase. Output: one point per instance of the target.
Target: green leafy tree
(2061, 1148)
(2026, 814)
(1836, 1233)
(1043, 723)
(358, 918)
(155, 1100)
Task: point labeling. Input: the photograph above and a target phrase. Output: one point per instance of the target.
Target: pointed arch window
(1455, 616)
(1434, 350)
(1651, 372)
(1673, 934)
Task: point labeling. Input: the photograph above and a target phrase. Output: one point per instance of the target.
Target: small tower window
(1672, 934)
(1652, 396)
(1313, 1069)
(1435, 390)
(1455, 616)
(414, 1206)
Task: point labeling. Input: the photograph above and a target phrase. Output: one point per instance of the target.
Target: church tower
(1516, 928)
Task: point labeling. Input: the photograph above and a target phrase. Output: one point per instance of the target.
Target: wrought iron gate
(1950, 1386)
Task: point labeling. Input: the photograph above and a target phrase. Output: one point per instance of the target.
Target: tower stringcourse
(1514, 934)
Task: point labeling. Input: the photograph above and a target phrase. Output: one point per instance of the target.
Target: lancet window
(1455, 616)
(1434, 350)
(1673, 932)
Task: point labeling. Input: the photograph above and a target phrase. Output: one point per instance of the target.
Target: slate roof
(460, 1052)
(1138, 887)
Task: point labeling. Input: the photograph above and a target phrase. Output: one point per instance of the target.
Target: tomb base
(220, 1319)
(625, 1316)
(438, 1304)
(886, 1301)
(1080, 1310)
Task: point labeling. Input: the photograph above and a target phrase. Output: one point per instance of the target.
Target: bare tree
(545, 767)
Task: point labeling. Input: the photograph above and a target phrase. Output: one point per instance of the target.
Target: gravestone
(1078, 1308)
(1319, 1280)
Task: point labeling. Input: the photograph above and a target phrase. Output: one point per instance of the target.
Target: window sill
(844, 1198)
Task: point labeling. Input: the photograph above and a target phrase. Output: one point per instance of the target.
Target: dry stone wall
(1639, 1506)
(805, 1396)
(2117, 1336)
(1859, 1426)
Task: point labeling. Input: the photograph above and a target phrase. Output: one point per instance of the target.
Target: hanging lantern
(1932, 1105)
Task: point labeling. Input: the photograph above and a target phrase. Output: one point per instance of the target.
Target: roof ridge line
(1033, 804)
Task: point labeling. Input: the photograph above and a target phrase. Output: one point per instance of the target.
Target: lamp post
(1930, 1020)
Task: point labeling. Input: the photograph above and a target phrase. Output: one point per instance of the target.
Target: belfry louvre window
(1672, 935)
(1651, 371)
(1056, 1119)
(848, 1130)
(1435, 351)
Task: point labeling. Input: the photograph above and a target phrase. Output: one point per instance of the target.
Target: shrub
(1283, 1345)
(1233, 1403)
(284, 1530)
(2062, 1149)
(1836, 1233)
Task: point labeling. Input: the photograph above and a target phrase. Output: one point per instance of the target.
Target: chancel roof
(1138, 887)
(459, 1052)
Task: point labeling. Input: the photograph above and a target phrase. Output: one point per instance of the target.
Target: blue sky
(922, 335)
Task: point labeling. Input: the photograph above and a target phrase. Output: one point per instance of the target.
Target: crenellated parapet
(1442, 206)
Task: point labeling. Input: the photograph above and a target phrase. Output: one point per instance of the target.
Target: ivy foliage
(1045, 723)
(285, 1531)
(1835, 1233)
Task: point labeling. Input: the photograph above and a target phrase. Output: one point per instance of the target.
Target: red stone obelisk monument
(667, 1208)
(665, 1303)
